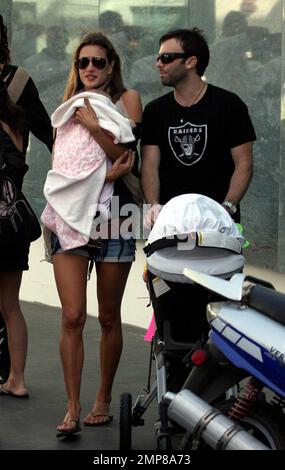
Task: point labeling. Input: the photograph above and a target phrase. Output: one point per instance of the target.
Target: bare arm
(125, 162)
(150, 173)
(242, 157)
(88, 118)
(133, 105)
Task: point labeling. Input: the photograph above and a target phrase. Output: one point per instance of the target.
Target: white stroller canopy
(194, 231)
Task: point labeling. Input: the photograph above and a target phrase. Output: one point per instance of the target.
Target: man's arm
(241, 177)
(150, 173)
(150, 182)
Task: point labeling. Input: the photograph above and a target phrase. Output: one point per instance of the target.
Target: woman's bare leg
(10, 283)
(71, 276)
(111, 282)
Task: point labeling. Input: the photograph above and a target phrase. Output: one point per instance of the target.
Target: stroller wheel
(126, 421)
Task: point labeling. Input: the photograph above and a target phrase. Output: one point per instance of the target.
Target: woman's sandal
(73, 430)
(106, 419)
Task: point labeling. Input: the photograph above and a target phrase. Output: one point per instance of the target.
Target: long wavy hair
(115, 86)
(10, 113)
(4, 48)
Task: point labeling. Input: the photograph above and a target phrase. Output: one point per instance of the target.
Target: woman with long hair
(13, 258)
(96, 67)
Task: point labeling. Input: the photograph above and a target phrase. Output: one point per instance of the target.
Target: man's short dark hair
(193, 43)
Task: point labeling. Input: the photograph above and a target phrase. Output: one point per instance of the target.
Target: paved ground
(31, 424)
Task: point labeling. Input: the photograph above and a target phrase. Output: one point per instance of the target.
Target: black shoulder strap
(16, 79)
(17, 84)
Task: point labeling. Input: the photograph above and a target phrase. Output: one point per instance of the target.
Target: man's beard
(166, 81)
(173, 80)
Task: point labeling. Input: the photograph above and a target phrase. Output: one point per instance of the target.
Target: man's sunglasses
(168, 57)
(98, 62)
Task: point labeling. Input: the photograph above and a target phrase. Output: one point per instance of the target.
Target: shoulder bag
(18, 222)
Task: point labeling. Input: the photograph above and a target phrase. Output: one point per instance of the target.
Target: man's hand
(152, 215)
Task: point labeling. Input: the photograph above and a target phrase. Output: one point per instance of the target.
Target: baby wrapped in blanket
(75, 188)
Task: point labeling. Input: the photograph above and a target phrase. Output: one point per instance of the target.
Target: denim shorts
(119, 250)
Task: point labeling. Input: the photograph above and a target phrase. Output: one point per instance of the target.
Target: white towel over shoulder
(107, 112)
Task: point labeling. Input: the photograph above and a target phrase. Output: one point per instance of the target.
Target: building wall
(246, 60)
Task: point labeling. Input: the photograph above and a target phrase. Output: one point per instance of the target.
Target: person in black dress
(23, 92)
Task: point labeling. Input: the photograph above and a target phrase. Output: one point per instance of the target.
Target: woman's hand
(87, 117)
(121, 166)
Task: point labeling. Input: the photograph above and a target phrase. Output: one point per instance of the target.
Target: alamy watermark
(128, 221)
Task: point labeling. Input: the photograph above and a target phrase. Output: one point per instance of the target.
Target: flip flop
(7, 393)
(69, 432)
(108, 420)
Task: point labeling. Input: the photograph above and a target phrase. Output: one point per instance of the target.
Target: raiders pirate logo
(188, 142)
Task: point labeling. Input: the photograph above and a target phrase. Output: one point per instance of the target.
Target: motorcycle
(239, 383)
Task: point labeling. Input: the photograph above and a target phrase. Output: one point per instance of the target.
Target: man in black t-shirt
(197, 138)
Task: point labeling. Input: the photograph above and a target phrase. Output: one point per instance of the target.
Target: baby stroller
(191, 231)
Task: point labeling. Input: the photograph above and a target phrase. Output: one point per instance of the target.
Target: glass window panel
(246, 58)
(281, 228)
(135, 27)
(44, 35)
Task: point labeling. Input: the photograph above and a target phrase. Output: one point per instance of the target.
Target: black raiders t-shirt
(195, 142)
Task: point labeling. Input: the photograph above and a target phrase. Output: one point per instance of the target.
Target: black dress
(16, 258)
(13, 257)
